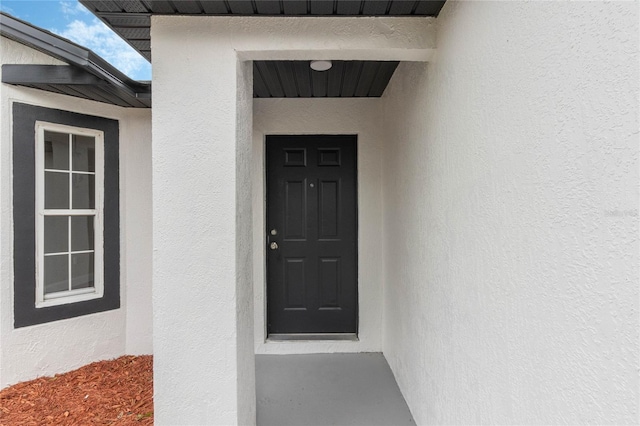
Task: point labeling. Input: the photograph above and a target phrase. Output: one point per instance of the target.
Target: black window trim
(24, 215)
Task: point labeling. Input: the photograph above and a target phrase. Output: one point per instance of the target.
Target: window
(66, 214)
(69, 187)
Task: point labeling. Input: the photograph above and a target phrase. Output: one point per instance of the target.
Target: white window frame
(78, 295)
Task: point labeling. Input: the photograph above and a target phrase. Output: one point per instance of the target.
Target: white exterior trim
(78, 295)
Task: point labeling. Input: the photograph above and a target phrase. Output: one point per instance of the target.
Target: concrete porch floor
(328, 389)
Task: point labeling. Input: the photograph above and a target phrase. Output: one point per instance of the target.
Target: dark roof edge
(71, 53)
(87, 5)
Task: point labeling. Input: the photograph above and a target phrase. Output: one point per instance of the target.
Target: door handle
(273, 246)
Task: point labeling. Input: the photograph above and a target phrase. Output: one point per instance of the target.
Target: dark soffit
(296, 79)
(87, 76)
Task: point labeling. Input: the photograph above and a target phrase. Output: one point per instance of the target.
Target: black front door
(311, 234)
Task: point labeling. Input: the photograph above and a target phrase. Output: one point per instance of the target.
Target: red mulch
(117, 392)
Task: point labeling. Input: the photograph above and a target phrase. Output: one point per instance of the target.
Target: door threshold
(286, 337)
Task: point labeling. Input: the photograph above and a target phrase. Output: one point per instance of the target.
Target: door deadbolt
(273, 246)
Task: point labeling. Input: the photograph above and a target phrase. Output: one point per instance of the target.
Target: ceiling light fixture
(320, 65)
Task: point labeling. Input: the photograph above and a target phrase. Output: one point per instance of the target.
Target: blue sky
(73, 21)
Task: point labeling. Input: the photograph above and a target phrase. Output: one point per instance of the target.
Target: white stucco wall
(136, 227)
(326, 116)
(203, 304)
(246, 395)
(202, 290)
(59, 346)
(511, 217)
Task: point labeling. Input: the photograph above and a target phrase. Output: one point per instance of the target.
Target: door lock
(273, 246)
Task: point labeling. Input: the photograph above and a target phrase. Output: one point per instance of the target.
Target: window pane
(84, 156)
(56, 273)
(56, 234)
(81, 270)
(56, 151)
(83, 191)
(56, 190)
(81, 233)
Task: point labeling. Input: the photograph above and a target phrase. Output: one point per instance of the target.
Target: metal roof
(87, 75)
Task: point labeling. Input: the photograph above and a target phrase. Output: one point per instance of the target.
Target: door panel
(329, 209)
(312, 220)
(295, 209)
(295, 284)
(329, 283)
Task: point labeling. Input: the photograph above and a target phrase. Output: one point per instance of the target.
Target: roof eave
(72, 54)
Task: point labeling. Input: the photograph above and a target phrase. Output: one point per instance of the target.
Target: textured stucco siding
(203, 241)
(326, 116)
(136, 239)
(202, 294)
(511, 217)
(60, 346)
(246, 396)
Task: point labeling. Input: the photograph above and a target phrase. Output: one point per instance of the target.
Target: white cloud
(7, 9)
(71, 8)
(95, 35)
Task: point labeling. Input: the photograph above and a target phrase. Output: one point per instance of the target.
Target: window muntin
(69, 203)
(25, 213)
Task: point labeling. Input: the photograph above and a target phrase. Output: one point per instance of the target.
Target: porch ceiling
(295, 79)
(131, 19)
